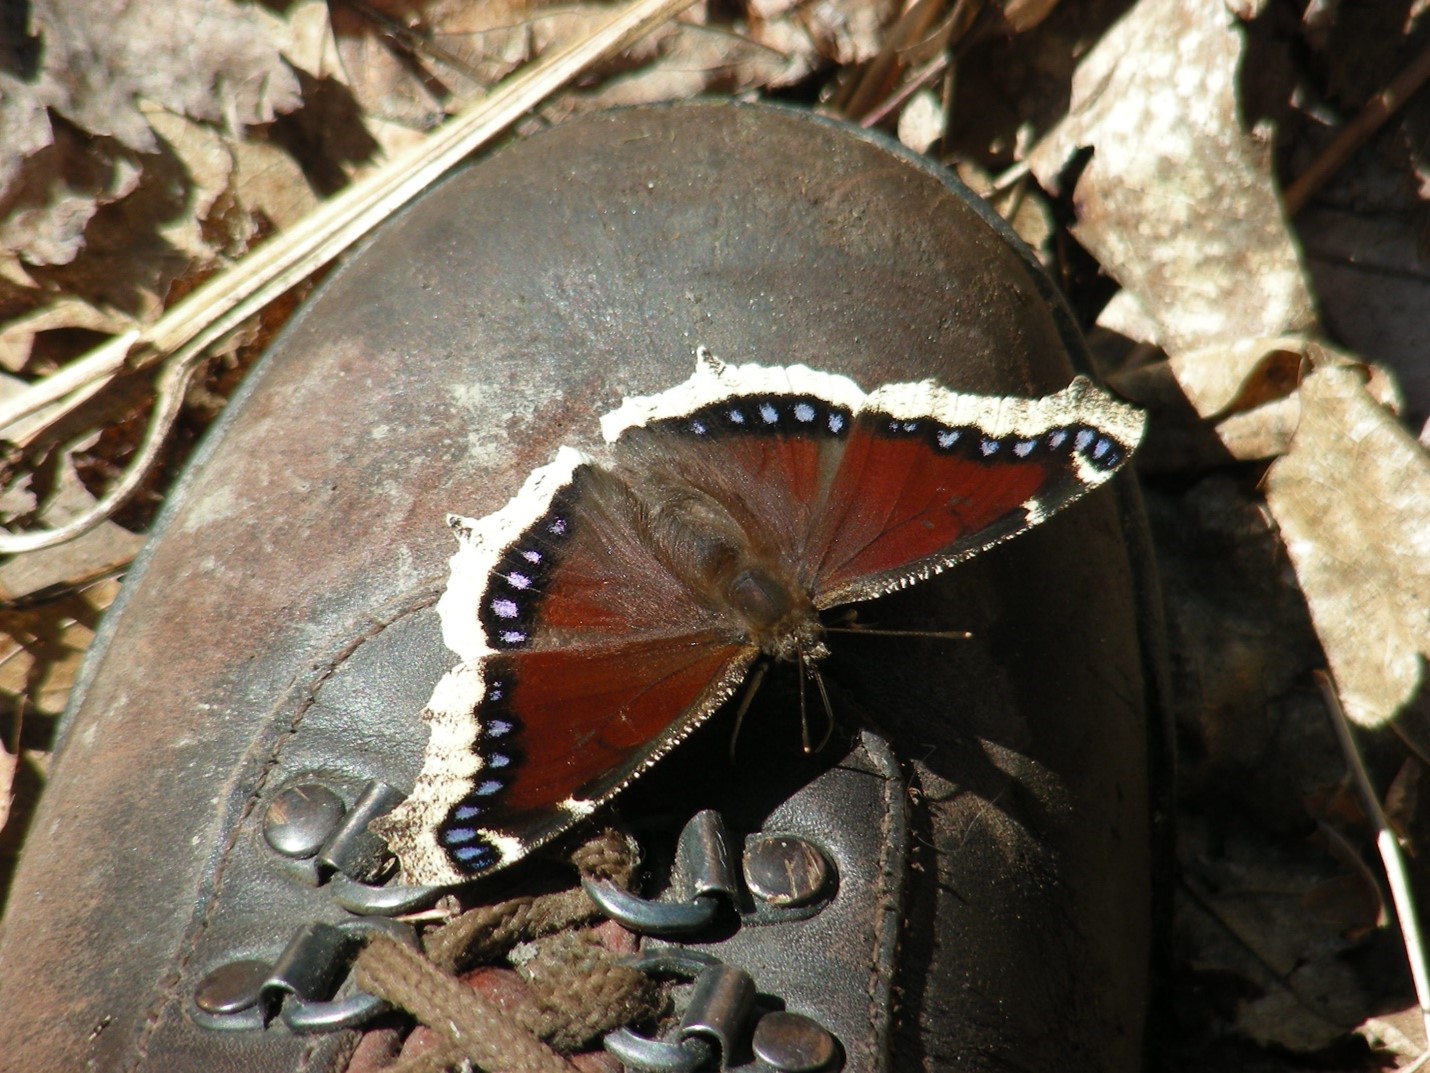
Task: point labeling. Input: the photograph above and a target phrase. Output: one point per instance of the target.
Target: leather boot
(975, 847)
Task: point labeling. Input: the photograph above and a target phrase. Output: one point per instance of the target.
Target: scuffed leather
(488, 324)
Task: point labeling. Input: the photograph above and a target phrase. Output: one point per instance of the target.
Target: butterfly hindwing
(584, 660)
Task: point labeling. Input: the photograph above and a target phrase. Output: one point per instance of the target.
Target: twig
(1358, 131)
(168, 401)
(228, 298)
(1393, 860)
(277, 265)
(917, 81)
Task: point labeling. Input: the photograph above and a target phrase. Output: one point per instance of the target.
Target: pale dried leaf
(303, 36)
(102, 58)
(790, 39)
(1401, 1033)
(9, 763)
(921, 121)
(269, 185)
(24, 126)
(1177, 202)
(847, 31)
(1352, 497)
(96, 64)
(770, 9)
(1310, 1012)
(1020, 16)
(383, 80)
(693, 60)
(1263, 433)
(53, 195)
(1247, 389)
(41, 651)
(208, 166)
(14, 276)
(102, 550)
(1236, 376)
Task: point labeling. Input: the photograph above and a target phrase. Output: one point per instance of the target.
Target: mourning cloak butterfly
(609, 609)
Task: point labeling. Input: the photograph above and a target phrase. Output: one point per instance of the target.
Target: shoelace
(576, 988)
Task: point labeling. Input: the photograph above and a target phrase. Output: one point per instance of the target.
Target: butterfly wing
(762, 441)
(584, 660)
(858, 495)
(592, 644)
(929, 477)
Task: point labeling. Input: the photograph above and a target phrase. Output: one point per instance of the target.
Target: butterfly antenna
(751, 687)
(851, 625)
(879, 631)
(803, 712)
(828, 710)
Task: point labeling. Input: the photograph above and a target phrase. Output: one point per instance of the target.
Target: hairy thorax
(711, 551)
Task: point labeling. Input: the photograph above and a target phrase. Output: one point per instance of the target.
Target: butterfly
(612, 606)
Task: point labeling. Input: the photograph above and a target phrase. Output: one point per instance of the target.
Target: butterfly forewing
(929, 477)
(563, 730)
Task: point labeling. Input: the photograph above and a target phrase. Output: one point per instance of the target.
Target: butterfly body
(612, 606)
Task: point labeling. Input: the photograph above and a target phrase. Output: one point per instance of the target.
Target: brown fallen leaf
(1352, 498)
(18, 336)
(1401, 1034)
(1226, 401)
(101, 59)
(695, 60)
(846, 31)
(1242, 913)
(92, 62)
(1177, 202)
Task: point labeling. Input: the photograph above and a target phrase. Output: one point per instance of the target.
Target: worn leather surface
(277, 619)
(835, 960)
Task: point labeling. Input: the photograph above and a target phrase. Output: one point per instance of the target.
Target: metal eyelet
(785, 877)
(324, 843)
(715, 1022)
(299, 985)
(706, 881)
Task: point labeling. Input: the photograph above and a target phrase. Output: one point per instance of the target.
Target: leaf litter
(1142, 148)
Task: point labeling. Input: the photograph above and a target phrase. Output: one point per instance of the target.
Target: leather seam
(889, 891)
(364, 629)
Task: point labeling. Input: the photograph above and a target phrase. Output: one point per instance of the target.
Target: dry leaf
(1352, 497)
(921, 121)
(100, 59)
(17, 336)
(1245, 915)
(1020, 16)
(92, 63)
(692, 60)
(9, 762)
(1401, 1033)
(386, 82)
(1177, 202)
(846, 31)
(52, 196)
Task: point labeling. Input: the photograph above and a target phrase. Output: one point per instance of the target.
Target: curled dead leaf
(1178, 202)
(1352, 498)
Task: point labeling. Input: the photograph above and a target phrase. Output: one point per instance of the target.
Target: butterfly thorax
(712, 546)
(777, 616)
